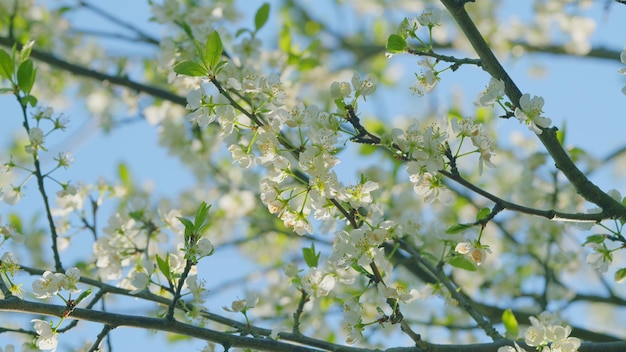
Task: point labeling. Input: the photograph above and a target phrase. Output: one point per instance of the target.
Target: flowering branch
(456, 63)
(82, 71)
(42, 189)
(563, 162)
(463, 300)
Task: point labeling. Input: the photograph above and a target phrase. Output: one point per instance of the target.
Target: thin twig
(304, 297)
(143, 35)
(563, 162)
(102, 77)
(103, 333)
(463, 300)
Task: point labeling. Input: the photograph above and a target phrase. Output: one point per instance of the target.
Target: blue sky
(587, 96)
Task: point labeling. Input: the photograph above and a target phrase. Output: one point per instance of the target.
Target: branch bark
(563, 162)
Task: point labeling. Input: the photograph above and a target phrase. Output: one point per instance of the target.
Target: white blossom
(493, 92)
(600, 258)
(197, 289)
(47, 339)
(430, 17)
(476, 253)
(426, 80)
(205, 247)
(317, 284)
(48, 285)
(530, 111)
(36, 137)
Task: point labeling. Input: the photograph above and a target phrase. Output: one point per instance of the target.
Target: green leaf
(308, 63)
(219, 67)
(396, 43)
(483, 214)
(187, 29)
(403, 28)
(261, 16)
(25, 52)
(458, 228)
(26, 76)
(560, 134)
(16, 222)
(596, 238)
(214, 50)
(189, 226)
(201, 216)
(190, 68)
(360, 269)
(284, 40)
(459, 261)
(29, 100)
(83, 295)
(6, 90)
(620, 275)
(310, 257)
(164, 266)
(341, 105)
(510, 324)
(124, 174)
(6, 65)
(241, 31)
(137, 215)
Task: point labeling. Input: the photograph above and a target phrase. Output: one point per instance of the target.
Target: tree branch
(102, 77)
(563, 162)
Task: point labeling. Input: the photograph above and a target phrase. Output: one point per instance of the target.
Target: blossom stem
(460, 297)
(563, 162)
(179, 288)
(42, 189)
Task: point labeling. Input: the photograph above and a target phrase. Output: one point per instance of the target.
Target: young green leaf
(510, 324)
(310, 257)
(483, 214)
(190, 68)
(219, 67)
(261, 16)
(396, 44)
(620, 275)
(6, 65)
(29, 100)
(164, 266)
(214, 50)
(124, 174)
(83, 295)
(459, 261)
(25, 52)
(597, 238)
(284, 40)
(458, 228)
(189, 226)
(26, 76)
(201, 216)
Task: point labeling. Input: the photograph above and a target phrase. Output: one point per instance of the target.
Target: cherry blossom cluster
(547, 334)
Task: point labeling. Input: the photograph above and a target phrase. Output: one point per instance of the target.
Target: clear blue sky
(588, 98)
